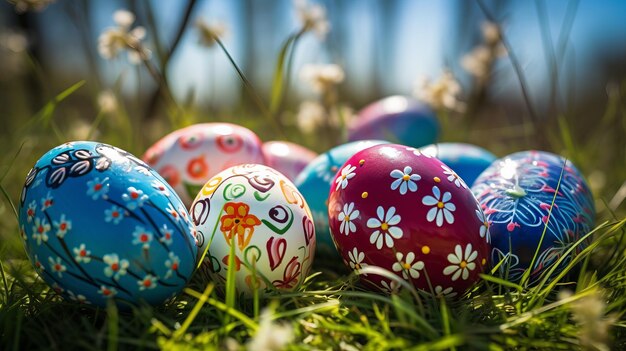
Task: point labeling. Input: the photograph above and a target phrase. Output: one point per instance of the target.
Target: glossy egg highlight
(393, 207)
(99, 224)
(187, 158)
(467, 160)
(516, 194)
(287, 158)
(258, 214)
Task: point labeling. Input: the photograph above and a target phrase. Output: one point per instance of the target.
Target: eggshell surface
(392, 207)
(398, 119)
(521, 196)
(98, 224)
(287, 158)
(187, 158)
(258, 213)
(467, 160)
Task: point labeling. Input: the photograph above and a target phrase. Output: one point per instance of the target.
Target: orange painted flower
(237, 221)
(197, 168)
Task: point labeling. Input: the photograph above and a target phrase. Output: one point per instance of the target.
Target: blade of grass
(180, 332)
(281, 72)
(113, 326)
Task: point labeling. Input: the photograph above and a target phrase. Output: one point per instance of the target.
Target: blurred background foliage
(558, 84)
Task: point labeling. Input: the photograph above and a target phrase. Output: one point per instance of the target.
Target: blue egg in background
(467, 160)
(398, 119)
(516, 194)
(99, 224)
(314, 183)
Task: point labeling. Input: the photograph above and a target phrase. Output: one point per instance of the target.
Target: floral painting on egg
(393, 207)
(257, 213)
(98, 223)
(187, 158)
(524, 194)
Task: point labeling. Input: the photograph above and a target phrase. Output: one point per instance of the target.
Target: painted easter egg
(287, 158)
(189, 157)
(516, 194)
(467, 160)
(396, 118)
(98, 224)
(258, 214)
(392, 207)
(314, 183)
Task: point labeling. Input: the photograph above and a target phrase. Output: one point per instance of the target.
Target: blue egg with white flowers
(315, 180)
(467, 160)
(525, 194)
(99, 224)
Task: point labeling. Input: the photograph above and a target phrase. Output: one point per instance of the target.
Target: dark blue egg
(467, 160)
(99, 224)
(398, 119)
(521, 197)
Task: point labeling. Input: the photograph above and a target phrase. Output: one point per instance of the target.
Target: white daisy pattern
(390, 288)
(172, 264)
(346, 217)
(386, 231)
(447, 292)
(30, 212)
(166, 235)
(453, 177)
(461, 262)
(46, 202)
(347, 173)
(404, 180)
(442, 207)
(407, 265)
(484, 228)
(356, 260)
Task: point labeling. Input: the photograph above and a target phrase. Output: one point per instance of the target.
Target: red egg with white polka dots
(392, 207)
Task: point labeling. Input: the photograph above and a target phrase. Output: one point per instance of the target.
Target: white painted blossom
(442, 207)
(385, 229)
(271, 336)
(390, 288)
(484, 227)
(356, 260)
(323, 77)
(440, 94)
(461, 262)
(404, 179)
(453, 177)
(407, 265)
(447, 292)
(312, 17)
(346, 218)
(347, 173)
(210, 32)
(116, 39)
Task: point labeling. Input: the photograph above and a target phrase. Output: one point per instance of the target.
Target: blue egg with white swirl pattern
(524, 194)
(314, 183)
(99, 224)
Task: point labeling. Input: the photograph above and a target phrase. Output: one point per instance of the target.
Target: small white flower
(46, 202)
(322, 78)
(270, 336)
(442, 207)
(30, 212)
(114, 40)
(115, 267)
(40, 230)
(78, 298)
(114, 214)
(311, 116)
(461, 262)
(484, 228)
(172, 264)
(346, 216)
(313, 17)
(447, 292)
(107, 102)
(134, 198)
(440, 94)
(347, 173)
(158, 185)
(82, 254)
(407, 266)
(491, 32)
(142, 237)
(107, 291)
(356, 260)
(62, 226)
(453, 177)
(57, 266)
(210, 32)
(97, 188)
(384, 225)
(166, 235)
(147, 283)
(404, 180)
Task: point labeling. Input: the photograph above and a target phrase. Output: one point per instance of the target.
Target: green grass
(582, 308)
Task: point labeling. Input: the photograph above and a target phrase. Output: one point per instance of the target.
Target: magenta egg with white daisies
(393, 207)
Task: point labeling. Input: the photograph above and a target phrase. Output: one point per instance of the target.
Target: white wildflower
(322, 78)
(589, 313)
(116, 39)
(480, 60)
(313, 17)
(107, 102)
(491, 33)
(209, 32)
(13, 41)
(442, 93)
(310, 117)
(270, 336)
(22, 6)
